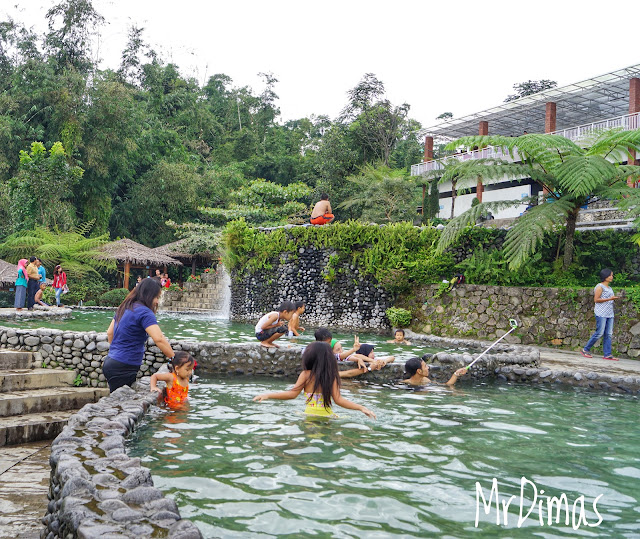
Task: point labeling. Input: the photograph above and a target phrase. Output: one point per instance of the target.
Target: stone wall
(546, 316)
(338, 296)
(96, 489)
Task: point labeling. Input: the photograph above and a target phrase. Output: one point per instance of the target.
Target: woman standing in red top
(59, 282)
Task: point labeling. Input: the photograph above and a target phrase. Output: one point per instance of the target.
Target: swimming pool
(244, 469)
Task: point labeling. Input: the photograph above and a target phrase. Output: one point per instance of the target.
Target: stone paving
(38, 312)
(566, 360)
(24, 476)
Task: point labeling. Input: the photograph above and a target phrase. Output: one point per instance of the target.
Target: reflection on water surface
(244, 469)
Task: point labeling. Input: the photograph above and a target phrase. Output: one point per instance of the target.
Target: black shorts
(119, 374)
(266, 333)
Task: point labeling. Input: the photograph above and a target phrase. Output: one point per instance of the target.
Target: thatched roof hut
(8, 274)
(179, 250)
(135, 255)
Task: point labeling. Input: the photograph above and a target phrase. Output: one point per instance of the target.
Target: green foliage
(113, 298)
(381, 194)
(264, 203)
(570, 174)
(395, 255)
(41, 193)
(77, 381)
(398, 317)
(76, 252)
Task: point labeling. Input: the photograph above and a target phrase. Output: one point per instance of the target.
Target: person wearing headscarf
(21, 284)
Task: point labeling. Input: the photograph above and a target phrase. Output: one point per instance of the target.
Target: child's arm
(354, 349)
(346, 403)
(351, 373)
(160, 376)
(286, 395)
(455, 376)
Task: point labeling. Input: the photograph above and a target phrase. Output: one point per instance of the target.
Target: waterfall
(222, 298)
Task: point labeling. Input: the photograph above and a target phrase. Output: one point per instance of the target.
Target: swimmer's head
(399, 334)
(415, 364)
(300, 306)
(286, 309)
(367, 350)
(323, 335)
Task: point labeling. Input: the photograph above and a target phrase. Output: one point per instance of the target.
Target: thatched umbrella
(8, 274)
(136, 255)
(179, 250)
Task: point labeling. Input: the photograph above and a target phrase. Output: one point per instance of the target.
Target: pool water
(238, 468)
(195, 327)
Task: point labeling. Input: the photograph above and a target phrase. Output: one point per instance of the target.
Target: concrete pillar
(428, 148)
(550, 117)
(483, 130)
(634, 106)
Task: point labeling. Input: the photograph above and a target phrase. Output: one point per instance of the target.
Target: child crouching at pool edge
(176, 391)
(270, 327)
(321, 383)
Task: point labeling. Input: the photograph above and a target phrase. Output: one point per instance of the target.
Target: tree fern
(529, 229)
(456, 226)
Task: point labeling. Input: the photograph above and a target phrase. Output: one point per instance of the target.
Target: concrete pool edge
(96, 489)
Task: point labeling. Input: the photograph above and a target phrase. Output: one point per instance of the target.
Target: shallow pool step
(21, 429)
(15, 360)
(48, 400)
(19, 379)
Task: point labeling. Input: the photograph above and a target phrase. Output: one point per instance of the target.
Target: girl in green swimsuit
(320, 381)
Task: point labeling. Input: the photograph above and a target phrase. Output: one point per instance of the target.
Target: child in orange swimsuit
(177, 380)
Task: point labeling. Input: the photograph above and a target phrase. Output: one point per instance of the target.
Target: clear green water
(193, 327)
(244, 469)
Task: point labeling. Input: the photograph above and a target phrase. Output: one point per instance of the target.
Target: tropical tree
(382, 194)
(569, 174)
(77, 253)
(41, 193)
(530, 87)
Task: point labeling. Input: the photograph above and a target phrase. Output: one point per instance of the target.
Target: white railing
(627, 122)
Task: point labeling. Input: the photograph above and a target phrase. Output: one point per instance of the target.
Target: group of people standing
(31, 281)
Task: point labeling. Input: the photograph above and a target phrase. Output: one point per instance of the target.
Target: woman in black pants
(133, 323)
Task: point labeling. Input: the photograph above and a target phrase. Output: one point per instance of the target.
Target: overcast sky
(461, 57)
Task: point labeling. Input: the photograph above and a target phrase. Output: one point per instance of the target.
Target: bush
(113, 298)
(7, 299)
(399, 317)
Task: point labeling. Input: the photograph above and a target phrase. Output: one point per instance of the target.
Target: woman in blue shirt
(133, 323)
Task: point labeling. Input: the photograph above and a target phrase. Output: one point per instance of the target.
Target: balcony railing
(627, 122)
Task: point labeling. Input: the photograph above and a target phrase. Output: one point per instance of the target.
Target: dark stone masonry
(339, 296)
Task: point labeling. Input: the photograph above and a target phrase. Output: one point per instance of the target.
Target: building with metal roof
(573, 111)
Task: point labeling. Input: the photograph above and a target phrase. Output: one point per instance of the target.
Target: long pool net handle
(513, 325)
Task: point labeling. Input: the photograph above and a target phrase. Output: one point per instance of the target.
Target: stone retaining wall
(98, 491)
(546, 316)
(338, 296)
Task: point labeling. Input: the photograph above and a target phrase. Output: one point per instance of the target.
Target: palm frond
(529, 229)
(456, 226)
(581, 175)
(615, 140)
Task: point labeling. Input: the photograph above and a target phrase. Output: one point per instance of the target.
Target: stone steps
(21, 429)
(35, 404)
(19, 379)
(48, 400)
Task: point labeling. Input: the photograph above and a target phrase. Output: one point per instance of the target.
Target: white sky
(459, 56)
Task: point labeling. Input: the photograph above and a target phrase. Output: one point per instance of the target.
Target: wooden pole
(193, 267)
(127, 270)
